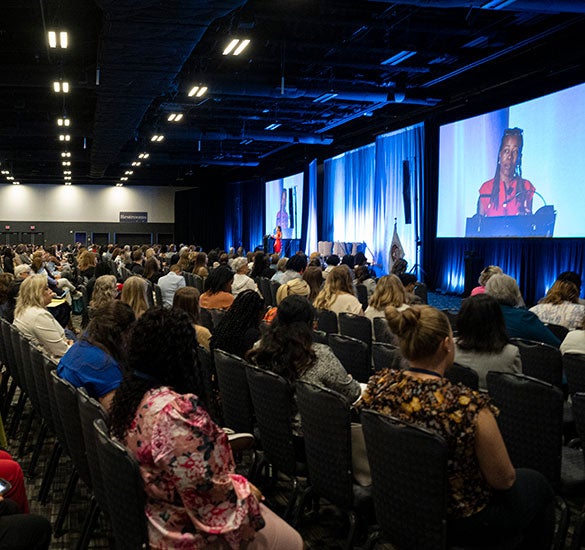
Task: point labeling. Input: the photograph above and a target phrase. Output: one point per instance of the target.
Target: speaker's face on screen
(508, 157)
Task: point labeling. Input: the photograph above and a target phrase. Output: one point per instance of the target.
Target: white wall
(89, 203)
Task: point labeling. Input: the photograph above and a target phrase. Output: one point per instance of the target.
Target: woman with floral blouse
(195, 499)
(488, 501)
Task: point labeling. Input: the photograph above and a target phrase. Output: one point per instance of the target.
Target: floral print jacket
(194, 498)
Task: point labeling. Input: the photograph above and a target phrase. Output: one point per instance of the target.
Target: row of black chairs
(69, 414)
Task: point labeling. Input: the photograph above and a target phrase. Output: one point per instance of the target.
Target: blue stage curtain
(244, 214)
(309, 226)
(534, 263)
(363, 194)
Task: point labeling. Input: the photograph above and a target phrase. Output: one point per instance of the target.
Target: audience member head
(408, 281)
(287, 345)
(134, 294)
(187, 299)
(102, 268)
(504, 289)
(362, 273)
(200, 261)
(240, 266)
(360, 259)
(572, 277)
(480, 325)
(424, 333)
(22, 271)
(137, 256)
(281, 264)
(108, 326)
(348, 260)
(314, 278)
(294, 287)
(220, 280)
(260, 264)
(399, 266)
(332, 260)
(160, 352)
(6, 280)
(561, 291)
(175, 268)
(487, 272)
(150, 267)
(34, 292)
(297, 263)
(105, 291)
(274, 259)
(338, 282)
(389, 291)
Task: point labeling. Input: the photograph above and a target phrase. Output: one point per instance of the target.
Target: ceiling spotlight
(129, 172)
(67, 183)
(136, 163)
(64, 137)
(66, 172)
(124, 179)
(119, 185)
(65, 154)
(63, 122)
(62, 39)
(143, 155)
(236, 46)
(175, 117)
(15, 183)
(197, 91)
(59, 87)
(9, 178)
(66, 163)
(4, 172)
(67, 178)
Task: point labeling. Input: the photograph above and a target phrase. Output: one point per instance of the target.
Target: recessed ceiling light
(66, 172)
(273, 126)
(9, 178)
(63, 39)
(197, 91)
(143, 155)
(236, 47)
(119, 185)
(124, 179)
(15, 183)
(67, 183)
(242, 46)
(136, 163)
(175, 117)
(66, 163)
(52, 39)
(64, 137)
(63, 121)
(129, 172)
(4, 172)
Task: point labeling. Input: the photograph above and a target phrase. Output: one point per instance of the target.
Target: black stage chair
(386, 356)
(125, 491)
(409, 480)
(326, 421)
(540, 361)
(458, 373)
(236, 403)
(353, 354)
(326, 321)
(356, 326)
(272, 399)
(574, 368)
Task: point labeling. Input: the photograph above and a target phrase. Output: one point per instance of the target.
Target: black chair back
(272, 398)
(320, 337)
(531, 421)
(266, 290)
(66, 398)
(326, 420)
(57, 424)
(382, 332)
(26, 370)
(205, 318)
(540, 361)
(574, 368)
(216, 316)
(198, 282)
(125, 491)
(353, 354)
(326, 321)
(421, 290)
(362, 295)
(210, 387)
(158, 296)
(125, 273)
(149, 293)
(89, 411)
(356, 326)
(409, 481)
(273, 289)
(236, 404)
(578, 404)
(461, 374)
(558, 330)
(386, 356)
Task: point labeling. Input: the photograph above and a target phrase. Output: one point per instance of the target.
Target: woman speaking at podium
(513, 196)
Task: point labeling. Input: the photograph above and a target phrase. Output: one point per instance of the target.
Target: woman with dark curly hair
(93, 362)
(287, 348)
(239, 329)
(219, 289)
(195, 499)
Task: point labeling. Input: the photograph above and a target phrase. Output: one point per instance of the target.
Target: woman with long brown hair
(338, 293)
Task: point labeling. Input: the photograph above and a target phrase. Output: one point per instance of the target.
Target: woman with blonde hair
(389, 292)
(338, 293)
(487, 499)
(561, 306)
(33, 319)
(105, 291)
(86, 262)
(134, 294)
(484, 277)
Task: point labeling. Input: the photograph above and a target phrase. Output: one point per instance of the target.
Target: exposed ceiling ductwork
(143, 47)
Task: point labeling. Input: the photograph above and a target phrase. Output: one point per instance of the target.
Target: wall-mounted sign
(6, 227)
(32, 227)
(134, 217)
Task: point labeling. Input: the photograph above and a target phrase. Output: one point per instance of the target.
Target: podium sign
(539, 224)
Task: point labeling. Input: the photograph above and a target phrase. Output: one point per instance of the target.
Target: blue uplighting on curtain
(310, 231)
(244, 214)
(363, 194)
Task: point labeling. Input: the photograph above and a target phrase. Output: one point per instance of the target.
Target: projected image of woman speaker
(512, 195)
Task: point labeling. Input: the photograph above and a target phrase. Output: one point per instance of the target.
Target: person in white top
(561, 306)
(170, 283)
(241, 280)
(337, 294)
(34, 321)
(389, 291)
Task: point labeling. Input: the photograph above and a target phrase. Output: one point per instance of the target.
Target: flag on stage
(396, 250)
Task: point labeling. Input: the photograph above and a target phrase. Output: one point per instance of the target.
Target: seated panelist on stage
(513, 195)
